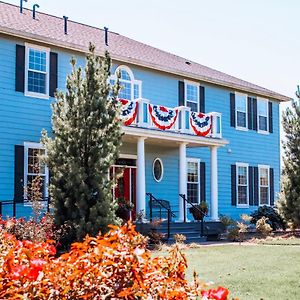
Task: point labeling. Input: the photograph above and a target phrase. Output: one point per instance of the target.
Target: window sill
(242, 128)
(36, 95)
(263, 132)
(242, 206)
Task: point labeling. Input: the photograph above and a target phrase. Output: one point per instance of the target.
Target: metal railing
(24, 203)
(186, 201)
(162, 205)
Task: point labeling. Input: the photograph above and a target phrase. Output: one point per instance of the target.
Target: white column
(214, 182)
(182, 179)
(140, 178)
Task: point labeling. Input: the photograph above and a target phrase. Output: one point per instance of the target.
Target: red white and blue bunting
(128, 111)
(163, 117)
(201, 123)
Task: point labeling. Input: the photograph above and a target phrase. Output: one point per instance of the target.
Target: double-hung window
(264, 185)
(241, 111)
(192, 96)
(262, 115)
(242, 184)
(193, 180)
(130, 87)
(37, 71)
(34, 167)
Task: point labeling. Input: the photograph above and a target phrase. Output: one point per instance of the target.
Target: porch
(148, 125)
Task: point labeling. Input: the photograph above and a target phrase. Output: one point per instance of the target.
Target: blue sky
(252, 39)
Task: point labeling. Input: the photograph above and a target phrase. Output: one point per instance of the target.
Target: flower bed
(114, 266)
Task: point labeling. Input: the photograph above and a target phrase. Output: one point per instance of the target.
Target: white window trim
(33, 94)
(197, 84)
(246, 111)
(29, 145)
(196, 160)
(269, 190)
(240, 164)
(162, 169)
(133, 81)
(259, 130)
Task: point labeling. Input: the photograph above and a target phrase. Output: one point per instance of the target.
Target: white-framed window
(37, 71)
(193, 180)
(33, 167)
(191, 94)
(158, 169)
(242, 185)
(241, 119)
(262, 115)
(131, 88)
(264, 184)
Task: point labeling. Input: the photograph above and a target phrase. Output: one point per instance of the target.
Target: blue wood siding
(22, 119)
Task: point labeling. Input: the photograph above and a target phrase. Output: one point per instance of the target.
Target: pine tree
(85, 143)
(290, 198)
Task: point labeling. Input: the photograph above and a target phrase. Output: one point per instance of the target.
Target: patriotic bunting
(162, 117)
(201, 123)
(128, 111)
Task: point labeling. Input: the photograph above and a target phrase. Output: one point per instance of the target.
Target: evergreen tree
(85, 143)
(290, 198)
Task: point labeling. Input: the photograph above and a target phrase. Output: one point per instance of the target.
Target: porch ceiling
(169, 138)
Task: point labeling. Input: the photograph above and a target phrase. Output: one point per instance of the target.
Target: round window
(158, 169)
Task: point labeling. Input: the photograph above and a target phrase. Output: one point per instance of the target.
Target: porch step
(192, 230)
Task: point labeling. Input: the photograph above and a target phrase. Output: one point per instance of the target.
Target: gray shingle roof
(50, 30)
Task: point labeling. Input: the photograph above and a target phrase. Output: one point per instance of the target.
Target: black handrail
(186, 200)
(162, 205)
(14, 203)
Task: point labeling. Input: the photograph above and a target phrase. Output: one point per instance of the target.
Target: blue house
(188, 129)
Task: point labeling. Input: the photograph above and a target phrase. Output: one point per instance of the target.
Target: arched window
(131, 88)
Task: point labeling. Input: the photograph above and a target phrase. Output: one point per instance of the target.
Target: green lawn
(249, 271)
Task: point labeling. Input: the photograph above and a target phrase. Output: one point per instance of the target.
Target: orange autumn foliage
(114, 266)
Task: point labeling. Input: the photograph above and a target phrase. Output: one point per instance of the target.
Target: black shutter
(250, 113)
(270, 117)
(254, 103)
(250, 184)
(19, 173)
(271, 186)
(255, 184)
(202, 99)
(232, 109)
(233, 185)
(53, 74)
(202, 182)
(20, 68)
(180, 93)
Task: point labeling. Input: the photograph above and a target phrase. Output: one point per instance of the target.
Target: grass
(249, 271)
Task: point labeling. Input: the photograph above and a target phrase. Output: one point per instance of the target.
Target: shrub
(263, 227)
(36, 231)
(226, 221)
(179, 238)
(114, 266)
(274, 219)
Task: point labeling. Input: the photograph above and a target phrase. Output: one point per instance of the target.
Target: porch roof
(169, 138)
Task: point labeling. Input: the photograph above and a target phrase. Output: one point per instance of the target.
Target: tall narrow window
(34, 167)
(264, 185)
(37, 71)
(193, 182)
(262, 115)
(192, 96)
(241, 111)
(242, 184)
(130, 88)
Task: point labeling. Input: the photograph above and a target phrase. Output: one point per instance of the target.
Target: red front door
(126, 185)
